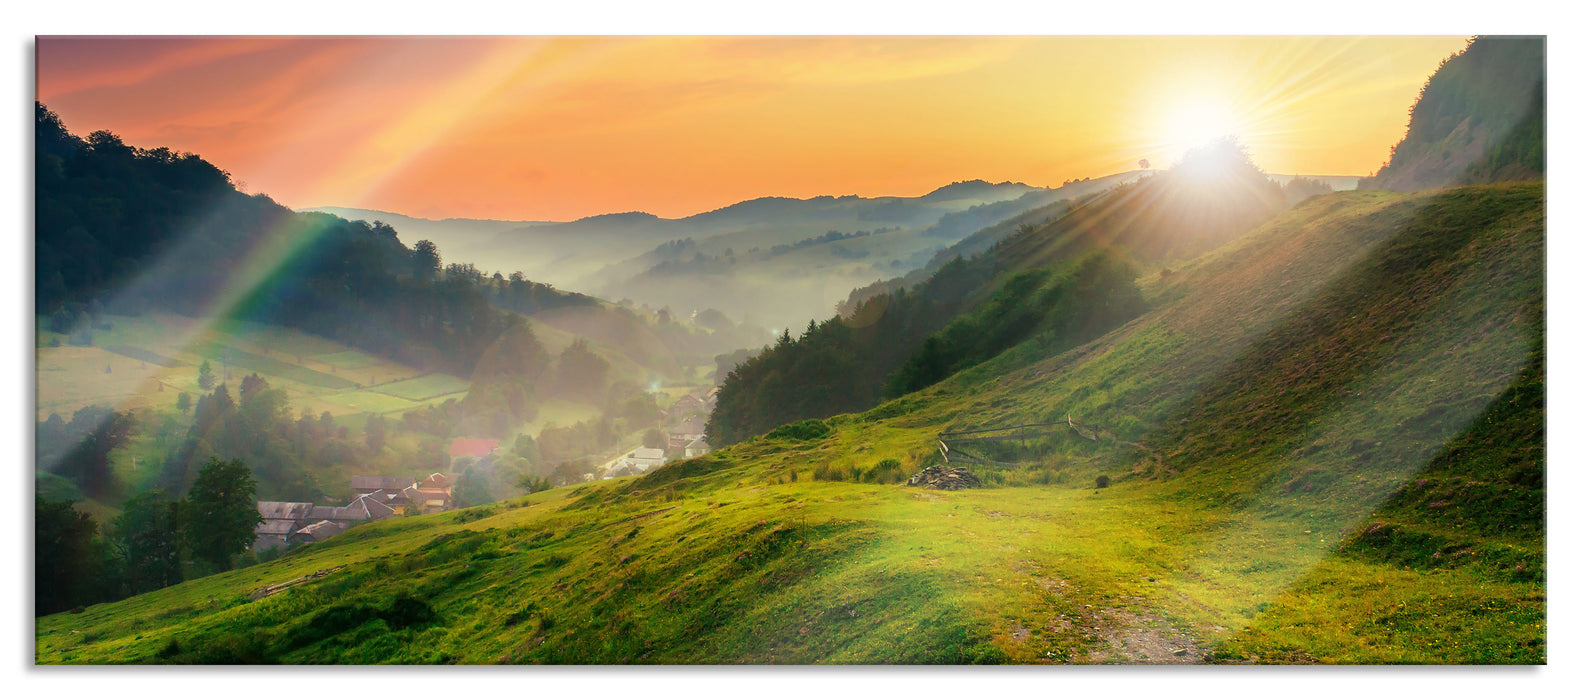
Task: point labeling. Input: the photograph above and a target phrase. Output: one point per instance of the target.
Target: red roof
(472, 447)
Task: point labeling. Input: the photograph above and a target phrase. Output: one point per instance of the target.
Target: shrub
(811, 429)
(408, 611)
(1102, 482)
(887, 471)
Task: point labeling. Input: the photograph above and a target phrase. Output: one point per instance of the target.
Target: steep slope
(1335, 368)
(1213, 195)
(846, 363)
(1474, 120)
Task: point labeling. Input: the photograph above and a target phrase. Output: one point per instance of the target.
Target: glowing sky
(560, 128)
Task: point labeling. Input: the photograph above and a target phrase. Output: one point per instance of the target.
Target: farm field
(148, 361)
(560, 412)
(425, 388)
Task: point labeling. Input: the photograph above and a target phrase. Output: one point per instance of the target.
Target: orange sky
(560, 128)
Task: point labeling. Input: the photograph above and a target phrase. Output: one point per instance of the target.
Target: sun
(1197, 122)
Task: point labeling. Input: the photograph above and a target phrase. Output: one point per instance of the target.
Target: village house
(378, 497)
(695, 448)
(433, 493)
(280, 520)
(317, 532)
(362, 485)
(476, 448)
(370, 507)
(686, 407)
(682, 435)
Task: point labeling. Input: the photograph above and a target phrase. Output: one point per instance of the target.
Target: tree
(71, 566)
(184, 402)
(87, 464)
(219, 514)
(374, 432)
(527, 449)
(425, 260)
(148, 533)
(533, 484)
(252, 384)
(654, 438)
(580, 372)
(205, 376)
(473, 489)
(570, 472)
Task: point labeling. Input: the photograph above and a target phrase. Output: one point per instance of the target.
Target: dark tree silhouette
(72, 565)
(148, 534)
(220, 512)
(87, 464)
(425, 260)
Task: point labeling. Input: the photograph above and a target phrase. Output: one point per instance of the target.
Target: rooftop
(472, 447)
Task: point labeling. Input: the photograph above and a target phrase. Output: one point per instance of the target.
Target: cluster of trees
(517, 374)
(699, 264)
(154, 542)
(828, 237)
(1300, 188)
(524, 296)
(287, 454)
(841, 364)
(627, 409)
(900, 342)
(1067, 305)
(1066, 279)
(79, 450)
(126, 230)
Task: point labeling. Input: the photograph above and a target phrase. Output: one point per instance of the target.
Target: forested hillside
(1079, 263)
(1478, 119)
(124, 230)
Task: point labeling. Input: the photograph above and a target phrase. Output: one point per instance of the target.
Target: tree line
(905, 340)
(154, 542)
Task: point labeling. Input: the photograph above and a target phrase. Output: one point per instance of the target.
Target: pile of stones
(944, 478)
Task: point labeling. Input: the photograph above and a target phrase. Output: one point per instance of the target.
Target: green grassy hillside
(1324, 444)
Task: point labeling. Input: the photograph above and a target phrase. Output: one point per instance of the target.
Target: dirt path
(1127, 637)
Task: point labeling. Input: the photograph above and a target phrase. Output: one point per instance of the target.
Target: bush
(811, 429)
(888, 471)
(1102, 482)
(408, 611)
(825, 472)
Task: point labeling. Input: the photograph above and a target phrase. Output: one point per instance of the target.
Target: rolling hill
(564, 253)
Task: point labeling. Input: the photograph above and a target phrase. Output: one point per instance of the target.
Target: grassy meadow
(152, 359)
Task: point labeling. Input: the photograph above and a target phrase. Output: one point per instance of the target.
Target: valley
(1195, 414)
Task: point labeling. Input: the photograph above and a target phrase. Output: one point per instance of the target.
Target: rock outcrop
(944, 478)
